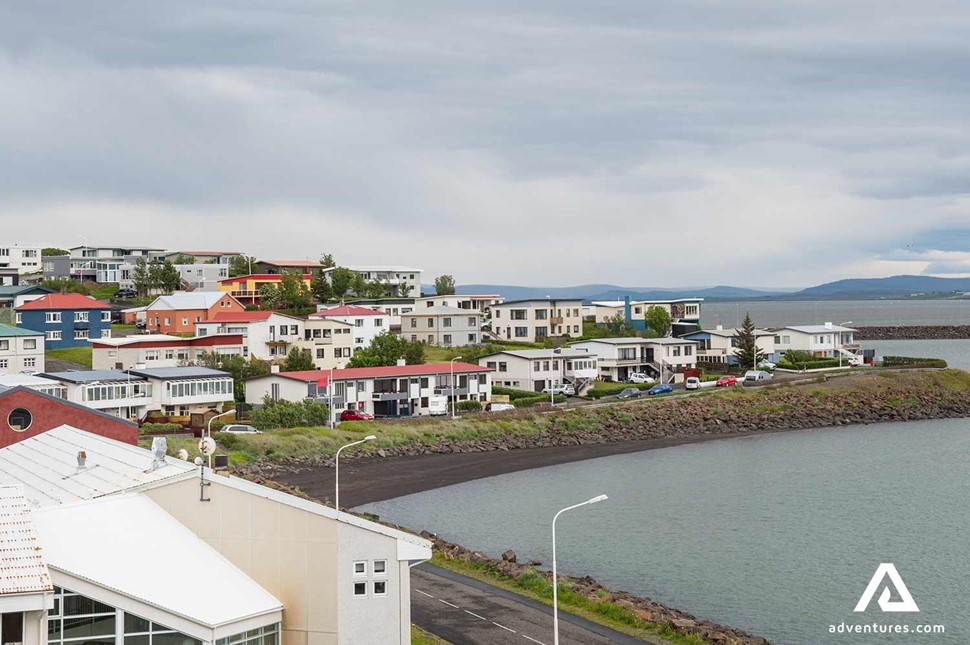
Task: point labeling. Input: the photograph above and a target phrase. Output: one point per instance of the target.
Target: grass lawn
(421, 637)
(79, 355)
(122, 326)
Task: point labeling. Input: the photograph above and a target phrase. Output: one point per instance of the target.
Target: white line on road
(533, 640)
(471, 613)
(447, 603)
(424, 594)
(503, 627)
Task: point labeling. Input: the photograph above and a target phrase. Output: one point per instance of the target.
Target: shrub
(158, 428)
(514, 394)
(468, 406)
(910, 361)
(815, 364)
(606, 388)
(287, 414)
(524, 402)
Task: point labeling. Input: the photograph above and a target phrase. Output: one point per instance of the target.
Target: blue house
(66, 319)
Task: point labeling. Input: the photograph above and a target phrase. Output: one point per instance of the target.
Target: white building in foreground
(658, 357)
(135, 547)
(537, 369)
(825, 340)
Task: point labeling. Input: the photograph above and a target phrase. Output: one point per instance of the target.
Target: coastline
(913, 332)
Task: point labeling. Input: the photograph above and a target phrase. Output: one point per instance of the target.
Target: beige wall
(292, 553)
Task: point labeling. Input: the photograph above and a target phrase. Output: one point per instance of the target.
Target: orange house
(245, 288)
(178, 313)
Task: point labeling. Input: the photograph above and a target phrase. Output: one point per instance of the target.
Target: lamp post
(847, 322)
(555, 590)
(208, 427)
(336, 466)
(454, 398)
(330, 388)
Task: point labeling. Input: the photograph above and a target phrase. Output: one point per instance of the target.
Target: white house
(719, 345)
(160, 350)
(25, 259)
(620, 357)
(392, 306)
(533, 321)
(400, 390)
(21, 350)
(476, 302)
(267, 335)
(274, 568)
(400, 281)
(368, 323)
(825, 340)
(537, 369)
(329, 341)
(443, 326)
(201, 276)
(685, 313)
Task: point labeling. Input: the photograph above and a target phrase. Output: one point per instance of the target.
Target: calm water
(860, 312)
(777, 534)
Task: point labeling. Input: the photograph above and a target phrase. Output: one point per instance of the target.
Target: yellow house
(245, 288)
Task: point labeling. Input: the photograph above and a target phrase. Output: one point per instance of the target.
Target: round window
(19, 419)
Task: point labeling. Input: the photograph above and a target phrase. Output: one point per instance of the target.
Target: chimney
(82, 458)
(401, 362)
(274, 369)
(828, 325)
(719, 327)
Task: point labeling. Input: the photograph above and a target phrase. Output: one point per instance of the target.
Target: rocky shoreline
(914, 332)
(646, 609)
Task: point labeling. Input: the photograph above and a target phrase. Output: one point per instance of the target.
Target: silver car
(238, 428)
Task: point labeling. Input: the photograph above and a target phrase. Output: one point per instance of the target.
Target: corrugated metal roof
(347, 310)
(170, 373)
(47, 468)
(67, 301)
(187, 300)
(22, 567)
(10, 330)
(116, 542)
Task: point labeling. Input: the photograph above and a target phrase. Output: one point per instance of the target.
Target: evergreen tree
(141, 278)
(342, 281)
(444, 285)
(747, 351)
(169, 278)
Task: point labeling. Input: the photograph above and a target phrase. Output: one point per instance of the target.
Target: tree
(619, 327)
(375, 289)
(169, 278)
(404, 290)
(326, 261)
(444, 285)
(298, 360)
(241, 265)
(66, 285)
(658, 320)
(141, 278)
(747, 351)
(359, 285)
(183, 259)
(50, 251)
(342, 281)
(385, 350)
(291, 292)
(320, 288)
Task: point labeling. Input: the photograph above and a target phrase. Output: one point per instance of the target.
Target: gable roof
(63, 301)
(22, 568)
(347, 310)
(174, 373)
(322, 376)
(14, 290)
(188, 300)
(10, 330)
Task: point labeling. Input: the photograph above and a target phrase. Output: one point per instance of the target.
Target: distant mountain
(589, 292)
(894, 286)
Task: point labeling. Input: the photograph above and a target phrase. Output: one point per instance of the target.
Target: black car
(126, 293)
(629, 393)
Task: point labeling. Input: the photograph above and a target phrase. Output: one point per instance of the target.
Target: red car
(726, 380)
(355, 415)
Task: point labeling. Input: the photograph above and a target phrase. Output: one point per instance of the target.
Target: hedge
(910, 361)
(813, 365)
(468, 406)
(513, 393)
(525, 402)
(604, 388)
(158, 428)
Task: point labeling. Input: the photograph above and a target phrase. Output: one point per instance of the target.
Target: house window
(105, 316)
(30, 362)
(430, 322)
(677, 350)
(380, 587)
(447, 339)
(536, 366)
(50, 317)
(360, 588)
(53, 335)
(380, 567)
(414, 323)
(4, 345)
(414, 338)
(430, 338)
(446, 322)
(80, 334)
(80, 316)
(541, 314)
(274, 391)
(503, 367)
(30, 343)
(3, 363)
(378, 322)
(20, 319)
(688, 350)
(294, 331)
(490, 365)
(321, 353)
(521, 332)
(358, 322)
(472, 322)
(360, 568)
(545, 366)
(168, 321)
(472, 338)
(185, 321)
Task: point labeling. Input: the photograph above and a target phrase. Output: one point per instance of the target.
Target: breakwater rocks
(915, 332)
(864, 399)
(647, 610)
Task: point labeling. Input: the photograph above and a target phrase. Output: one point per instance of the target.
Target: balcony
(556, 320)
(450, 391)
(389, 396)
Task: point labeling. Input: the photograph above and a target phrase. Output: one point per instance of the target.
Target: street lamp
(555, 590)
(208, 427)
(336, 466)
(330, 389)
(847, 322)
(454, 398)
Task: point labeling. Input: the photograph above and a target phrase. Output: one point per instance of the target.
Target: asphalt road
(464, 611)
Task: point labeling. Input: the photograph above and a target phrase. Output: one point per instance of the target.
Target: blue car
(660, 389)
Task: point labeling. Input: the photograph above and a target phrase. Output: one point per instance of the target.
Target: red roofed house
(399, 390)
(178, 313)
(159, 350)
(25, 412)
(66, 319)
(368, 323)
(267, 335)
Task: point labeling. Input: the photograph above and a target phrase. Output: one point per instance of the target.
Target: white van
(437, 405)
(496, 406)
(756, 375)
(692, 383)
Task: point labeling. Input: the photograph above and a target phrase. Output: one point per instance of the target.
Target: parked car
(640, 377)
(564, 389)
(756, 375)
(661, 388)
(767, 365)
(855, 361)
(239, 428)
(355, 415)
(498, 407)
(726, 380)
(692, 383)
(629, 393)
(139, 324)
(547, 405)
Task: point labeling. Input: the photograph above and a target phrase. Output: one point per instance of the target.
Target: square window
(360, 588)
(380, 588)
(360, 568)
(380, 567)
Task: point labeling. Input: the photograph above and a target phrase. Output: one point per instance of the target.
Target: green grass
(532, 584)
(122, 326)
(79, 355)
(421, 637)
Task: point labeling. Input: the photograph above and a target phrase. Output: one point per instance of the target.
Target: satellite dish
(198, 461)
(207, 446)
(184, 454)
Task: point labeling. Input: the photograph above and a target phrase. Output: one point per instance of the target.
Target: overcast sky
(543, 142)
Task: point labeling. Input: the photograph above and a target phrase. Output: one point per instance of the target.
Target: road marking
(533, 640)
(503, 627)
(475, 615)
(424, 594)
(447, 603)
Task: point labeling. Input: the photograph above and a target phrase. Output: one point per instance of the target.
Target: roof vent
(401, 362)
(82, 459)
(719, 327)
(828, 325)
(274, 369)
(159, 449)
